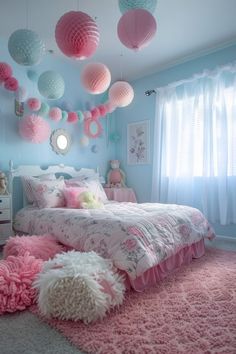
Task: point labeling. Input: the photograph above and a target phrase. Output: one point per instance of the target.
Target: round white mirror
(60, 141)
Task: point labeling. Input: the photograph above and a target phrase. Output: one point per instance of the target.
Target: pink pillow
(72, 194)
(93, 186)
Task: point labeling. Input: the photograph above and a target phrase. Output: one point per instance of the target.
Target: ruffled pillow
(71, 195)
(49, 194)
(93, 186)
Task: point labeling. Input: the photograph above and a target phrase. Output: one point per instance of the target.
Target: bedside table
(5, 218)
(121, 194)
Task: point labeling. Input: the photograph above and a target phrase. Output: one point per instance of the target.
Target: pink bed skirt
(155, 274)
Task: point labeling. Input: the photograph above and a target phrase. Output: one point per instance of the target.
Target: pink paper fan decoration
(55, 114)
(77, 35)
(11, 84)
(136, 28)
(72, 117)
(95, 78)
(34, 104)
(5, 71)
(102, 109)
(95, 113)
(121, 94)
(34, 128)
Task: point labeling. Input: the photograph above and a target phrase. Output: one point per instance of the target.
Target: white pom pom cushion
(79, 286)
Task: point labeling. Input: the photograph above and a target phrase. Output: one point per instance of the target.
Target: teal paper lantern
(44, 109)
(51, 85)
(26, 47)
(148, 5)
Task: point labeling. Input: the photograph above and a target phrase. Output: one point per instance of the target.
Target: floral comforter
(135, 236)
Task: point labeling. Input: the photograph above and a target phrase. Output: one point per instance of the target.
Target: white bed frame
(36, 170)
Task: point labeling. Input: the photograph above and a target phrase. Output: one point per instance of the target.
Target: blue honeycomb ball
(26, 47)
(126, 5)
(51, 85)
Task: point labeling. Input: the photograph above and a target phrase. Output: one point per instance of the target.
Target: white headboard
(36, 170)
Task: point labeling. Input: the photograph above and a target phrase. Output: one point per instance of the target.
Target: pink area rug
(192, 311)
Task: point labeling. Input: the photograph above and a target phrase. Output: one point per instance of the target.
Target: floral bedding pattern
(135, 236)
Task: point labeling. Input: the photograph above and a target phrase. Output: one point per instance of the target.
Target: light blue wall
(143, 107)
(13, 147)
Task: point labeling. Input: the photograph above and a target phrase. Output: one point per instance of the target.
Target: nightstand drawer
(5, 232)
(4, 202)
(5, 214)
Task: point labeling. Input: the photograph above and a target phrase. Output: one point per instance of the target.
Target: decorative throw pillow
(71, 195)
(27, 181)
(93, 186)
(49, 194)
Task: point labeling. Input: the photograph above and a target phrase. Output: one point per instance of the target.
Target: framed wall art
(138, 143)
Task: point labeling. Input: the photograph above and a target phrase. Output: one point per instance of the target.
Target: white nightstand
(5, 218)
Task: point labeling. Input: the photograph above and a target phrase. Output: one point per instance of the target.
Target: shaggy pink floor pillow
(43, 247)
(16, 277)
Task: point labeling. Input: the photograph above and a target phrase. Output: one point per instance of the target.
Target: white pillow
(48, 193)
(27, 181)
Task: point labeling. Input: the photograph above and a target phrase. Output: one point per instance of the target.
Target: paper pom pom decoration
(110, 107)
(87, 115)
(96, 78)
(5, 71)
(136, 28)
(80, 116)
(34, 104)
(26, 47)
(102, 110)
(126, 5)
(11, 84)
(32, 75)
(95, 113)
(44, 109)
(77, 35)
(64, 115)
(55, 114)
(51, 85)
(21, 94)
(121, 94)
(35, 129)
(84, 141)
(72, 117)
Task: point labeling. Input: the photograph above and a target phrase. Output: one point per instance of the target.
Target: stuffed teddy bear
(115, 177)
(3, 183)
(88, 201)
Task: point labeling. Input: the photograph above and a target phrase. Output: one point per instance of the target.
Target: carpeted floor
(191, 311)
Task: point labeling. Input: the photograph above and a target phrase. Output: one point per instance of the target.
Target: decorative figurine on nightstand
(3, 183)
(115, 177)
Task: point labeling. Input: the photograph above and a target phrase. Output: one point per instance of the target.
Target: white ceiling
(186, 28)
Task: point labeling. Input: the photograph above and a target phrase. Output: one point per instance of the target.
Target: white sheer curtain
(195, 144)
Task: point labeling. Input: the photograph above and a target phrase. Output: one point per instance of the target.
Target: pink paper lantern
(72, 117)
(96, 78)
(34, 104)
(34, 128)
(55, 114)
(77, 35)
(121, 94)
(5, 71)
(11, 84)
(136, 28)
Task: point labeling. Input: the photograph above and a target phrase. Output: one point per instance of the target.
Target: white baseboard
(225, 238)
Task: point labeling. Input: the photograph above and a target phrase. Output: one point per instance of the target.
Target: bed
(145, 241)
